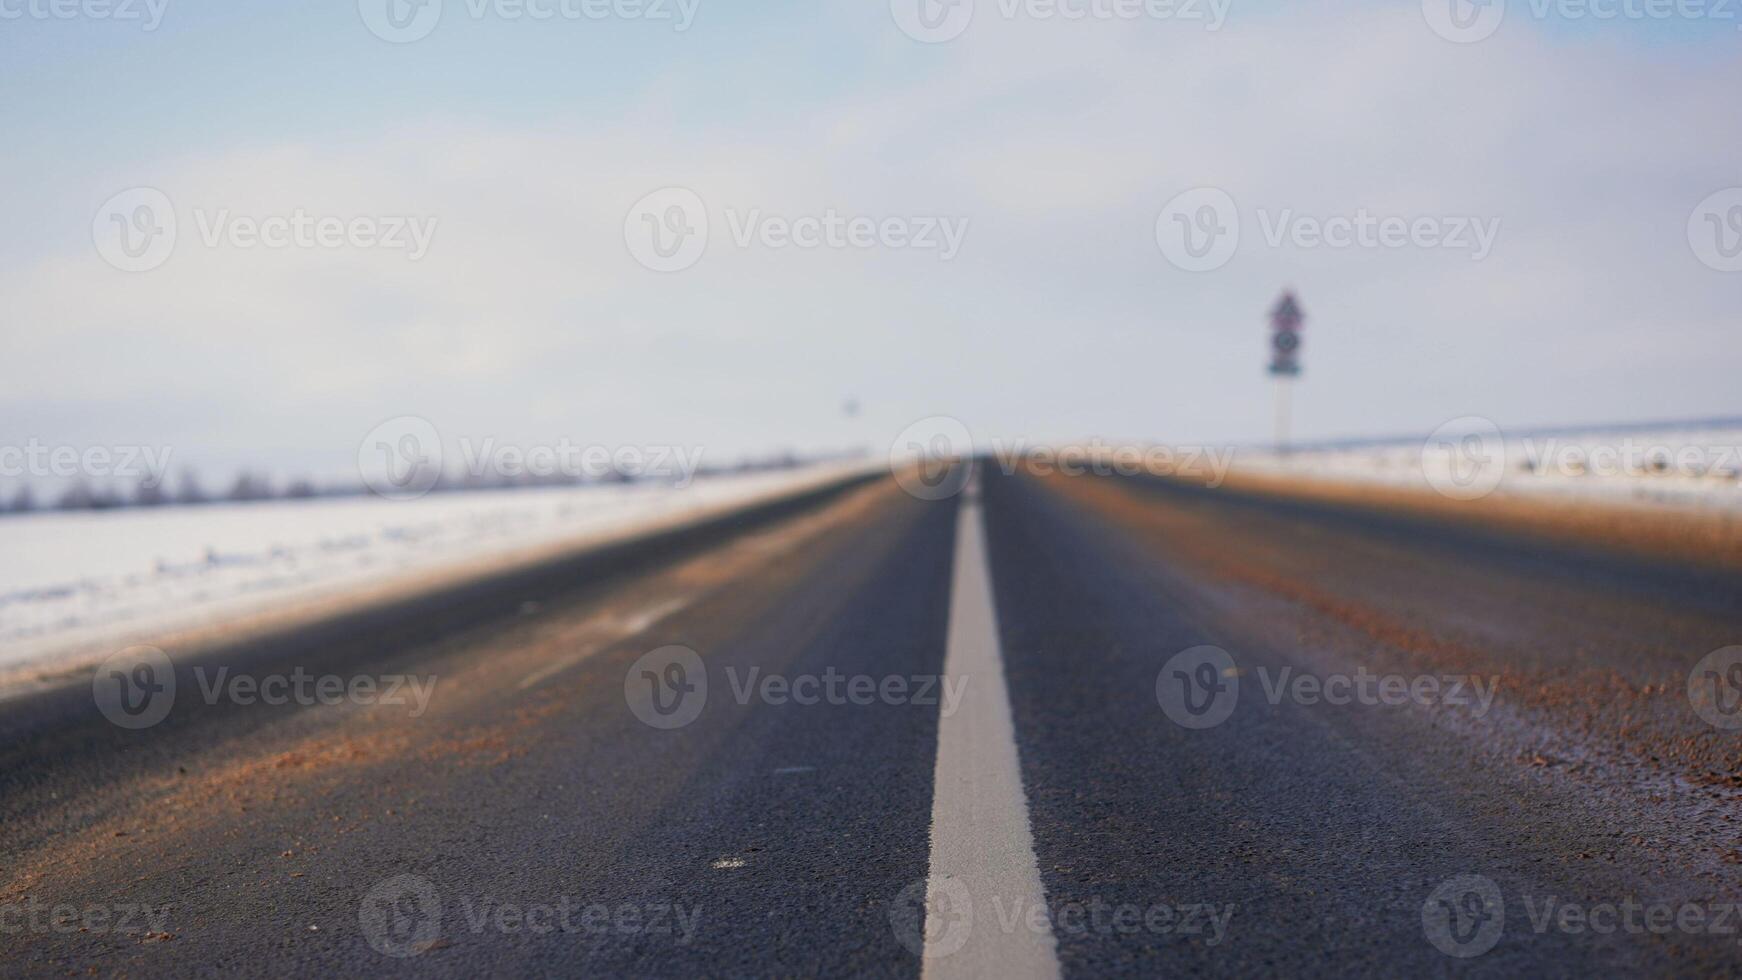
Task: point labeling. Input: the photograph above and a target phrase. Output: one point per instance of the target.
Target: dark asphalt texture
(789, 839)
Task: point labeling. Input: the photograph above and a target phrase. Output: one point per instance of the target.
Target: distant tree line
(251, 485)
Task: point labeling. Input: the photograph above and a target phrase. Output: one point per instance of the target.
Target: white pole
(1282, 414)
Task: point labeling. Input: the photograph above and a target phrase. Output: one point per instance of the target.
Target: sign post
(1285, 324)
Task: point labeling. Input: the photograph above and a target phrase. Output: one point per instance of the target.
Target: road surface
(1047, 726)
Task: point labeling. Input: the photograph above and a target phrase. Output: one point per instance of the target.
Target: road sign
(1287, 315)
(1285, 323)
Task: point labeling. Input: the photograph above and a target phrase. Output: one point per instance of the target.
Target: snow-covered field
(1690, 466)
(75, 584)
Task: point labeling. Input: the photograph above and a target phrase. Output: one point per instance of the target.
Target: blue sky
(1591, 144)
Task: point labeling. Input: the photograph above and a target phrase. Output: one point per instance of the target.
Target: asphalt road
(1047, 726)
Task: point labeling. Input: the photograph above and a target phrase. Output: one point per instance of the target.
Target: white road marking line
(653, 614)
(613, 629)
(981, 843)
